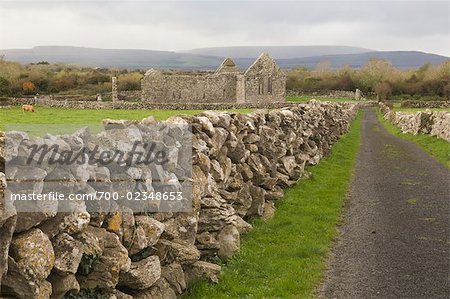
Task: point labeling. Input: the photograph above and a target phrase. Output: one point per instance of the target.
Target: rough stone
(68, 253)
(174, 275)
(269, 210)
(201, 270)
(229, 241)
(34, 255)
(68, 222)
(7, 226)
(62, 284)
(241, 225)
(161, 290)
(142, 274)
(152, 228)
(257, 207)
(170, 252)
(104, 271)
(182, 227)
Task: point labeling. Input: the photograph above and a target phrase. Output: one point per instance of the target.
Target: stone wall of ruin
(241, 165)
(264, 82)
(435, 123)
(159, 87)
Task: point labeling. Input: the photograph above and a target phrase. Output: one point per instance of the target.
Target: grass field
(285, 256)
(435, 147)
(45, 115)
(307, 98)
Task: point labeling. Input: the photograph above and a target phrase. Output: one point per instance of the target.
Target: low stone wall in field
(127, 96)
(241, 165)
(73, 104)
(436, 123)
(425, 104)
(324, 94)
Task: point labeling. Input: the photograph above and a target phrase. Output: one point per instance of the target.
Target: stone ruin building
(262, 82)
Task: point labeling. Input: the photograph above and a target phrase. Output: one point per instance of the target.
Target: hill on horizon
(203, 60)
(279, 52)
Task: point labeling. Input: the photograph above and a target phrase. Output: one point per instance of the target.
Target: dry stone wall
(74, 104)
(324, 94)
(241, 165)
(436, 123)
(425, 104)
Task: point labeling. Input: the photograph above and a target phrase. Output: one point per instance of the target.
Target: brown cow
(27, 108)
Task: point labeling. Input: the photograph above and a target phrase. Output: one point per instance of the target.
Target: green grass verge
(285, 256)
(435, 147)
(45, 115)
(307, 98)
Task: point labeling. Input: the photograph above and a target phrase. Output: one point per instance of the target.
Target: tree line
(44, 78)
(376, 76)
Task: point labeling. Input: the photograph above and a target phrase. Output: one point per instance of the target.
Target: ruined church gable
(264, 65)
(263, 81)
(227, 66)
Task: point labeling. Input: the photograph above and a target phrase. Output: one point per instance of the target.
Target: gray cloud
(169, 25)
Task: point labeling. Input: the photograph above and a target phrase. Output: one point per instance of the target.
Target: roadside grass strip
(285, 257)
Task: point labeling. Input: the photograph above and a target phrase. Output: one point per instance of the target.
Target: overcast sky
(381, 25)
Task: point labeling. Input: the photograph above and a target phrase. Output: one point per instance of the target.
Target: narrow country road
(394, 242)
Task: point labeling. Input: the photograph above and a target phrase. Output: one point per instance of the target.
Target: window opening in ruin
(269, 85)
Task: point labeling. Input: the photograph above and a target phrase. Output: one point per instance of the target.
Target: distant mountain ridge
(399, 59)
(202, 59)
(279, 52)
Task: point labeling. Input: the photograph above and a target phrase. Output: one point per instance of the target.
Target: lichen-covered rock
(241, 225)
(137, 242)
(229, 241)
(181, 227)
(68, 222)
(128, 225)
(68, 253)
(45, 290)
(6, 233)
(142, 274)
(114, 223)
(215, 218)
(161, 290)
(62, 284)
(16, 284)
(174, 275)
(34, 255)
(104, 271)
(182, 253)
(207, 240)
(201, 270)
(269, 210)
(145, 233)
(257, 207)
(8, 219)
(93, 240)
